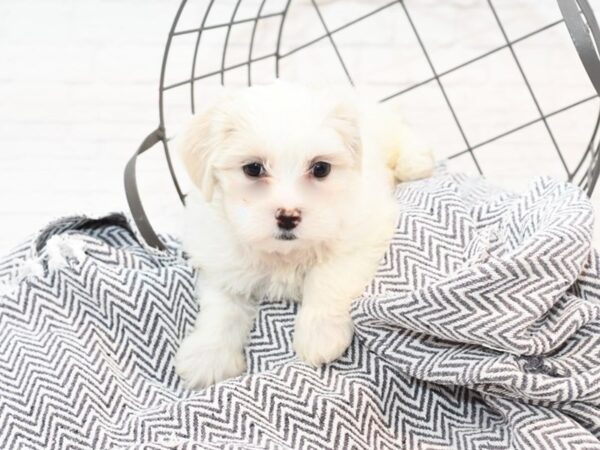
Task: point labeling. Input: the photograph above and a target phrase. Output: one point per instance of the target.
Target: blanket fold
(494, 303)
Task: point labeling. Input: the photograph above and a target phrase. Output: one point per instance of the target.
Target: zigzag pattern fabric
(481, 330)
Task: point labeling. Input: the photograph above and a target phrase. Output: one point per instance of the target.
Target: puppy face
(282, 161)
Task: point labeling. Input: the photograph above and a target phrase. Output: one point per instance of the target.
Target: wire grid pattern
(581, 174)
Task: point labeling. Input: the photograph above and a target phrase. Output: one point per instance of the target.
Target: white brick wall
(78, 89)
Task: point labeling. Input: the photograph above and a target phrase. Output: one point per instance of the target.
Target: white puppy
(293, 202)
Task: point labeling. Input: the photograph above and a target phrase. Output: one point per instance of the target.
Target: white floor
(79, 89)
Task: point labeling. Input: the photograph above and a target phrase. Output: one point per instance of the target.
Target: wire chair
(577, 16)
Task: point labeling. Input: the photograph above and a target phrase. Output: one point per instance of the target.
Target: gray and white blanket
(480, 330)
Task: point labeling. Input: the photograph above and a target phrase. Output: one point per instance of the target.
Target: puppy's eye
(320, 169)
(254, 170)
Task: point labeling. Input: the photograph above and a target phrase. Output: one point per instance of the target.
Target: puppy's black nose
(287, 219)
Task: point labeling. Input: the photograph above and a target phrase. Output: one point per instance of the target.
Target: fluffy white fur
(231, 231)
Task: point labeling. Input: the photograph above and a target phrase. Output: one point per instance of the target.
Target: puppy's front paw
(200, 362)
(319, 337)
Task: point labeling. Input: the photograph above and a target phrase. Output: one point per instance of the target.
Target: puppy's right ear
(205, 136)
(195, 149)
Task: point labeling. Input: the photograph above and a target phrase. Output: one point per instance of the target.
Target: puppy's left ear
(344, 119)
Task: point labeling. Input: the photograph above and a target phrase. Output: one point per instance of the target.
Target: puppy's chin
(282, 243)
(286, 236)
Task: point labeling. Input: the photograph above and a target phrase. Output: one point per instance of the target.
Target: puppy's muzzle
(287, 219)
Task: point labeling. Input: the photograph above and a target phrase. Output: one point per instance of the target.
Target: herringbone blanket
(480, 330)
